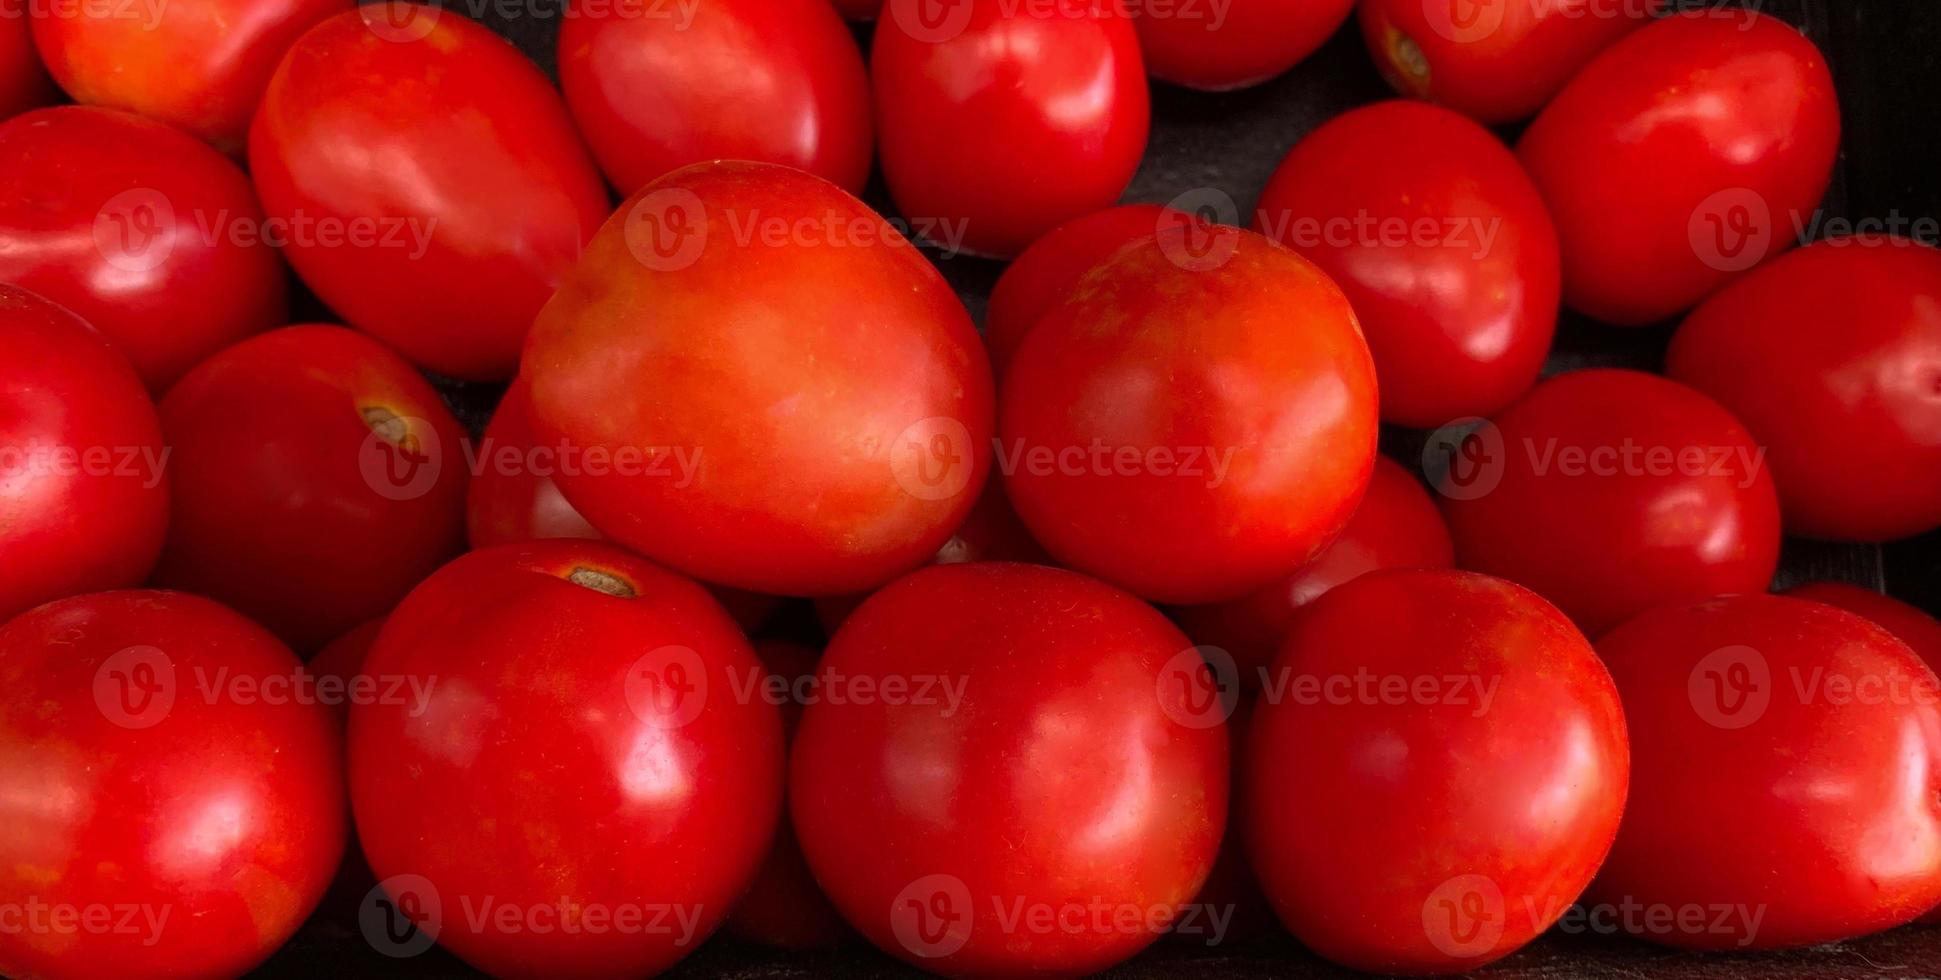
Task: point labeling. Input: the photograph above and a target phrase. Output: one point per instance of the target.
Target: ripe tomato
(1197, 421)
(1044, 275)
(1396, 526)
(1219, 46)
(1442, 244)
(1496, 61)
(1788, 774)
(1909, 624)
(153, 238)
(1436, 773)
(1610, 492)
(446, 259)
(1002, 121)
(587, 729)
(731, 285)
(1024, 791)
(1832, 356)
(175, 799)
(83, 494)
(318, 478)
(24, 83)
(1684, 154)
(779, 81)
(200, 65)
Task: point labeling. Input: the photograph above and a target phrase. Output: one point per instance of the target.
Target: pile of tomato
(1110, 620)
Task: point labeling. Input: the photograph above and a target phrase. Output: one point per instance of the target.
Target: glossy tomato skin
(24, 83)
(1684, 154)
(671, 329)
(1234, 45)
(152, 237)
(779, 81)
(199, 65)
(1609, 492)
(1396, 526)
(1000, 122)
(92, 516)
(1191, 426)
(219, 816)
(1832, 356)
(1064, 772)
(318, 479)
(1496, 61)
(1395, 833)
(585, 728)
(1735, 706)
(447, 259)
(1441, 243)
(1044, 275)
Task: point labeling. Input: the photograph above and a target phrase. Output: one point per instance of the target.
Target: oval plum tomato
(778, 81)
(1610, 492)
(152, 237)
(1396, 526)
(1681, 156)
(1001, 121)
(1435, 774)
(588, 729)
(1832, 357)
(24, 83)
(1788, 769)
(652, 353)
(998, 775)
(447, 259)
(1044, 275)
(1442, 244)
(200, 65)
(1909, 624)
(318, 478)
(1220, 46)
(166, 764)
(83, 494)
(1198, 420)
(1496, 61)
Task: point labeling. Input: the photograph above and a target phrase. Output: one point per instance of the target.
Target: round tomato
(1909, 624)
(1195, 422)
(152, 237)
(1044, 275)
(997, 776)
(1442, 244)
(584, 727)
(1435, 773)
(83, 492)
(1684, 154)
(771, 389)
(318, 478)
(1788, 776)
(175, 793)
(1832, 356)
(1610, 492)
(1236, 43)
(429, 182)
(1002, 121)
(24, 83)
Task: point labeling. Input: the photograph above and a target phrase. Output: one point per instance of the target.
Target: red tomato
(679, 358)
(1610, 492)
(1438, 775)
(318, 478)
(1909, 624)
(996, 777)
(200, 65)
(150, 236)
(24, 83)
(1497, 61)
(1191, 425)
(1684, 154)
(1002, 121)
(83, 492)
(1442, 244)
(1045, 274)
(1396, 526)
(1788, 775)
(1230, 908)
(1227, 44)
(779, 81)
(432, 184)
(175, 798)
(1832, 356)
(587, 732)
